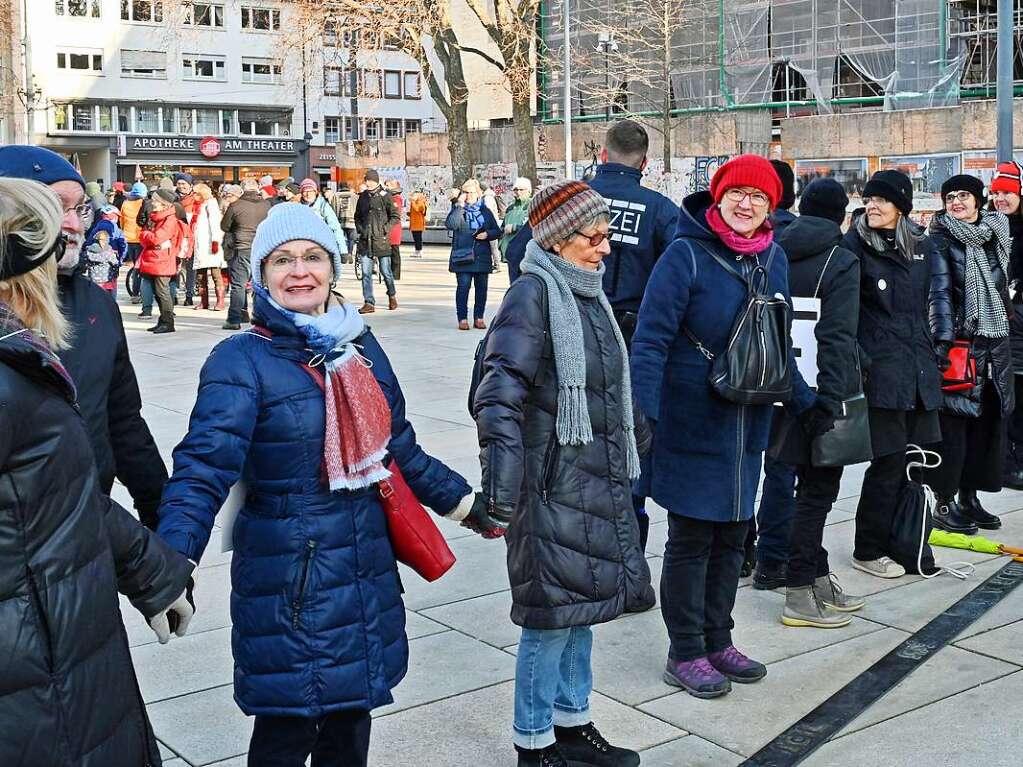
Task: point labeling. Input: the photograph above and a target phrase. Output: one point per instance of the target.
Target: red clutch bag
(962, 373)
(414, 536)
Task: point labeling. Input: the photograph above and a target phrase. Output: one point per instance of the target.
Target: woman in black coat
(975, 244)
(559, 449)
(1005, 198)
(819, 267)
(68, 693)
(901, 278)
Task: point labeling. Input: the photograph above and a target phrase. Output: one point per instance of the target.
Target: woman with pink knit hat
(310, 192)
(705, 462)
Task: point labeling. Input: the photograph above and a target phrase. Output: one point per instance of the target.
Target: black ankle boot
(586, 747)
(749, 561)
(541, 757)
(969, 505)
(770, 575)
(949, 517)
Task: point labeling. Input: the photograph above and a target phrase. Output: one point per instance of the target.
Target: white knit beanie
(289, 221)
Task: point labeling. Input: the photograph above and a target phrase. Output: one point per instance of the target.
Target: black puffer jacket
(573, 543)
(895, 296)
(1016, 291)
(375, 216)
(994, 357)
(108, 396)
(811, 244)
(68, 694)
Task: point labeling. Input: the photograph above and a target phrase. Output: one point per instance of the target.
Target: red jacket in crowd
(160, 241)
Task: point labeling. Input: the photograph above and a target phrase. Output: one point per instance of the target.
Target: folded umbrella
(973, 543)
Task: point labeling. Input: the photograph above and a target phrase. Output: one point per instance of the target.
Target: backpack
(754, 368)
(481, 349)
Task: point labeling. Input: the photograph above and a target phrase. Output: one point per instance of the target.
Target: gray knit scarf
(563, 280)
(984, 311)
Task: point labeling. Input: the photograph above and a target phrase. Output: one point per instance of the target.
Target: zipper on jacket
(548, 466)
(296, 605)
(491, 500)
(738, 461)
(44, 623)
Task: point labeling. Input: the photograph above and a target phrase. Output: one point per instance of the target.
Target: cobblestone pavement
(454, 708)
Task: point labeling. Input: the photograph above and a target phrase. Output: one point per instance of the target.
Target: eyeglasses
(594, 239)
(961, 196)
(758, 199)
(83, 210)
(312, 262)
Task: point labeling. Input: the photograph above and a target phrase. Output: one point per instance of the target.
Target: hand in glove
(177, 615)
(817, 419)
(485, 518)
(941, 350)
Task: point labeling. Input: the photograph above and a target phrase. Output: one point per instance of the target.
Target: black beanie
(825, 198)
(965, 183)
(894, 186)
(788, 184)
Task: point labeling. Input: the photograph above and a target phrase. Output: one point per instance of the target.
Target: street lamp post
(566, 24)
(606, 43)
(1004, 88)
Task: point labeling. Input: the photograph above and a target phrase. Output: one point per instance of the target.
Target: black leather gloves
(486, 519)
(817, 419)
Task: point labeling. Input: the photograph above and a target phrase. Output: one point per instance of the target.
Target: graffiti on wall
(434, 181)
(688, 175)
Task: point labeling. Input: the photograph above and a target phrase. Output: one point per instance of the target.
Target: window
(80, 60)
(167, 120)
(186, 122)
(335, 80)
(392, 128)
(348, 128)
(330, 37)
(412, 85)
(207, 121)
(80, 9)
(82, 118)
(227, 122)
(151, 65)
(413, 126)
(105, 113)
(350, 38)
(392, 84)
(205, 15)
(260, 71)
(142, 10)
(262, 123)
(372, 130)
(123, 118)
(147, 119)
(370, 84)
(60, 116)
(331, 130)
(201, 67)
(261, 19)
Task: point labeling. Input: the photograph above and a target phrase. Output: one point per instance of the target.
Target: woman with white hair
(516, 214)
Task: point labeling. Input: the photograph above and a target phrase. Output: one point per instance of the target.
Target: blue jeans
(367, 277)
(777, 510)
(553, 681)
(479, 303)
(148, 295)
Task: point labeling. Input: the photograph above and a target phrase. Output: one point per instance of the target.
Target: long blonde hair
(33, 213)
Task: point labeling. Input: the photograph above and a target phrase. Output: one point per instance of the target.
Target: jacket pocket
(301, 583)
(44, 622)
(550, 463)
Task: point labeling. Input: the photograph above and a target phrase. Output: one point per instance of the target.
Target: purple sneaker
(697, 677)
(736, 666)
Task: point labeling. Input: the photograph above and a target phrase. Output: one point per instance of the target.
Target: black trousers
(971, 449)
(816, 493)
(340, 739)
(161, 290)
(876, 508)
(417, 239)
(239, 271)
(698, 582)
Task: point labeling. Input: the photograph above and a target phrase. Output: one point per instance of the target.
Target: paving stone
(203, 727)
(1001, 643)
(691, 751)
(479, 569)
(237, 761)
(442, 665)
(791, 689)
(954, 731)
(949, 672)
(418, 626)
(185, 664)
(476, 729)
(485, 618)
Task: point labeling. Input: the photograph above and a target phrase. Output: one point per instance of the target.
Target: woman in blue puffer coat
(306, 411)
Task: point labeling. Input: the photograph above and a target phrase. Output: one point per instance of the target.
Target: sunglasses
(594, 239)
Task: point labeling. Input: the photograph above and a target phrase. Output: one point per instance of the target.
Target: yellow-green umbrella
(971, 542)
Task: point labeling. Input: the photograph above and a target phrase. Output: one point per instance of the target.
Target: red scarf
(747, 246)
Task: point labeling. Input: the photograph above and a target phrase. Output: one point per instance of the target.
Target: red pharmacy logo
(210, 147)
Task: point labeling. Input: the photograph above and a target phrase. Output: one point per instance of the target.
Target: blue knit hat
(37, 164)
(139, 189)
(289, 221)
(183, 177)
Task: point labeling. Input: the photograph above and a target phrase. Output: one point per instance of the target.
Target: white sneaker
(883, 567)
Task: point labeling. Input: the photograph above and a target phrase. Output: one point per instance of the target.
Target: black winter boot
(969, 505)
(770, 575)
(541, 757)
(586, 747)
(949, 517)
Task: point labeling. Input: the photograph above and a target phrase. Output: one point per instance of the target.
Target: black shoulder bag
(754, 368)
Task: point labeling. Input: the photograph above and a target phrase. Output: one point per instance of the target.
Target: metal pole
(1004, 83)
(30, 88)
(566, 22)
(607, 82)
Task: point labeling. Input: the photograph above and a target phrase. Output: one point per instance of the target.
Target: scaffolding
(792, 56)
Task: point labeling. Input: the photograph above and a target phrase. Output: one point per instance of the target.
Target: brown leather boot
(392, 303)
(367, 309)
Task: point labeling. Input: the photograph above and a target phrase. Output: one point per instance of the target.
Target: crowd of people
(643, 351)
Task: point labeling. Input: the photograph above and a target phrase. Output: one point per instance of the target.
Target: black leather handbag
(849, 441)
(754, 368)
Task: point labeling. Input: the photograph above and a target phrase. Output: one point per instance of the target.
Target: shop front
(214, 160)
(322, 160)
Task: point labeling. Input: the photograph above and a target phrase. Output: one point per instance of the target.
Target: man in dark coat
(98, 360)
(240, 221)
(375, 216)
